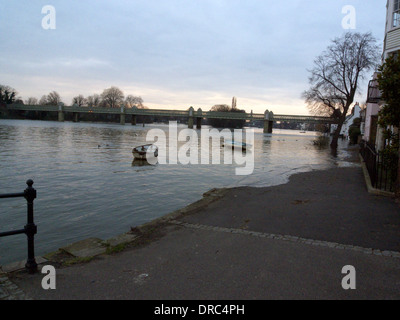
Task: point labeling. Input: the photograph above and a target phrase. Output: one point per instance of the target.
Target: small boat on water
(144, 152)
(235, 144)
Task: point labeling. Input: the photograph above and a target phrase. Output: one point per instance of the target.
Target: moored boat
(235, 144)
(145, 151)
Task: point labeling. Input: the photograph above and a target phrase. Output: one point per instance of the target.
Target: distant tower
(234, 101)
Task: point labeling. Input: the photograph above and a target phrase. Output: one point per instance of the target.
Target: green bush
(321, 141)
(354, 133)
(390, 159)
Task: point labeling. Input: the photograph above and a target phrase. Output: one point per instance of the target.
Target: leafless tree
(93, 101)
(31, 101)
(336, 76)
(221, 108)
(133, 101)
(53, 98)
(7, 94)
(112, 97)
(43, 100)
(226, 123)
(79, 100)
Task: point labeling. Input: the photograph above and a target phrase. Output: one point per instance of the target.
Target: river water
(87, 185)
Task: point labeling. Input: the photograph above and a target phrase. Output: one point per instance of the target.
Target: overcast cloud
(176, 53)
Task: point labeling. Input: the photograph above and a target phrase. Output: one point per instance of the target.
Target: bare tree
(31, 101)
(43, 100)
(226, 123)
(133, 101)
(93, 101)
(112, 97)
(53, 98)
(221, 108)
(79, 100)
(7, 94)
(336, 75)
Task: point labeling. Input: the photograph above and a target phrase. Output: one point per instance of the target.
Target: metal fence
(30, 228)
(381, 165)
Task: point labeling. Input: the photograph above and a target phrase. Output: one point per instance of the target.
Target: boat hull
(145, 152)
(234, 145)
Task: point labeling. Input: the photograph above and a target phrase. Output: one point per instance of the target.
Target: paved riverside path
(284, 242)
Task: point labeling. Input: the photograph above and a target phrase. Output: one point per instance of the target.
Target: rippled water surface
(88, 186)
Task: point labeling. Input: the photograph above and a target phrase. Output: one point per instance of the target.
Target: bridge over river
(194, 117)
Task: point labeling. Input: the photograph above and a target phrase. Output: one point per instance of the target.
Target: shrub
(354, 133)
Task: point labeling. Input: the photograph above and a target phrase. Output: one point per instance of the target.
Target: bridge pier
(122, 119)
(122, 116)
(190, 123)
(75, 116)
(191, 118)
(268, 121)
(60, 113)
(198, 123)
(266, 126)
(199, 119)
(133, 121)
(271, 126)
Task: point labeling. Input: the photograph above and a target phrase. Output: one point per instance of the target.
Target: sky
(177, 53)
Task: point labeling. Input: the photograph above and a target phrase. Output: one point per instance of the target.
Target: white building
(355, 113)
(392, 29)
(373, 133)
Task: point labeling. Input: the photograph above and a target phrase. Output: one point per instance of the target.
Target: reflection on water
(141, 163)
(89, 186)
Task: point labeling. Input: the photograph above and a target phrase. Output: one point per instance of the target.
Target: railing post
(30, 228)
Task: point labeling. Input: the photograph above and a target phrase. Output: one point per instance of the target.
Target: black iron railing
(30, 228)
(382, 167)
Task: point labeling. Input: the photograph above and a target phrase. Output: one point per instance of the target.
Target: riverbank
(285, 242)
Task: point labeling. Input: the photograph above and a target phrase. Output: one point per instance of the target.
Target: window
(396, 13)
